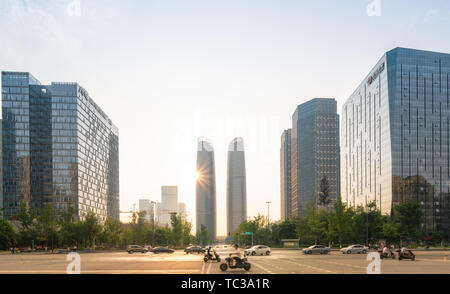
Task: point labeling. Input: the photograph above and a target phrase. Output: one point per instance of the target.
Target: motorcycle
(390, 254)
(407, 255)
(210, 256)
(239, 263)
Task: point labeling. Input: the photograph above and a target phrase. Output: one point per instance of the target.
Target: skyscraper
(236, 185)
(168, 205)
(285, 175)
(59, 148)
(149, 207)
(396, 136)
(314, 153)
(206, 187)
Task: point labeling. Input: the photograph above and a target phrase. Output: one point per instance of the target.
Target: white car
(357, 248)
(257, 250)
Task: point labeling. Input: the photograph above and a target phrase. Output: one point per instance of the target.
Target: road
(279, 262)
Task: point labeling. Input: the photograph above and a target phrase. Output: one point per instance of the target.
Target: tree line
(340, 225)
(50, 229)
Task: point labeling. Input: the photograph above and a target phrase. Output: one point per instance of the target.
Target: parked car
(314, 249)
(356, 248)
(194, 249)
(257, 250)
(136, 248)
(162, 250)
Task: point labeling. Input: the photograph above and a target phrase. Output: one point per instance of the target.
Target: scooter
(239, 263)
(390, 254)
(407, 255)
(210, 256)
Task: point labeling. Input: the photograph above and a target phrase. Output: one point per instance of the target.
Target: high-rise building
(236, 185)
(1, 172)
(168, 205)
(182, 210)
(149, 207)
(396, 136)
(59, 147)
(314, 153)
(285, 175)
(206, 188)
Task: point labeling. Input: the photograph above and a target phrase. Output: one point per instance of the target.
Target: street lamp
(268, 211)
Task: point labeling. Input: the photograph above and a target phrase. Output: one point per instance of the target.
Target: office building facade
(314, 153)
(236, 185)
(59, 147)
(396, 136)
(285, 175)
(168, 205)
(206, 187)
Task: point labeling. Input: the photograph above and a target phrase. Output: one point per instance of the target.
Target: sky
(167, 72)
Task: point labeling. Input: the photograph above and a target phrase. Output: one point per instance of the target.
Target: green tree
(67, 226)
(112, 228)
(338, 221)
(90, 228)
(315, 222)
(7, 235)
(28, 231)
(324, 194)
(390, 230)
(177, 229)
(409, 218)
(203, 236)
(48, 226)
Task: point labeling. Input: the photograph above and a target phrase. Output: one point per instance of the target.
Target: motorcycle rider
(386, 251)
(235, 256)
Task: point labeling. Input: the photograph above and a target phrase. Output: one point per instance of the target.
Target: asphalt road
(279, 262)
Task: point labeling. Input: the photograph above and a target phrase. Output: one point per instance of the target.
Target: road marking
(310, 266)
(261, 267)
(203, 268)
(209, 268)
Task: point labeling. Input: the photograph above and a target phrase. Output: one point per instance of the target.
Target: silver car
(314, 249)
(357, 248)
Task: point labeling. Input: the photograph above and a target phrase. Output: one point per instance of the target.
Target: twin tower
(206, 186)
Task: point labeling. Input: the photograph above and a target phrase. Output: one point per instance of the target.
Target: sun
(196, 176)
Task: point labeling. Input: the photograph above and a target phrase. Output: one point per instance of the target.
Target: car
(356, 248)
(257, 250)
(321, 249)
(162, 250)
(194, 249)
(136, 248)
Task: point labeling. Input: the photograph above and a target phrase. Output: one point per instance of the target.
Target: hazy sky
(167, 72)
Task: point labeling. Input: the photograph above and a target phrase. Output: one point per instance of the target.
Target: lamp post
(268, 213)
(152, 203)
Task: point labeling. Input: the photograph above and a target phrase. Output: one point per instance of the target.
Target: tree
(203, 236)
(338, 221)
(324, 194)
(28, 231)
(7, 235)
(90, 228)
(48, 226)
(314, 221)
(67, 221)
(112, 229)
(390, 230)
(409, 218)
(177, 229)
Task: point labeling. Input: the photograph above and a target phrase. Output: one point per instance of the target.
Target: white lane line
(261, 267)
(203, 268)
(310, 266)
(209, 268)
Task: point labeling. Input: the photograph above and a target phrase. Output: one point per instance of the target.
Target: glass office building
(206, 187)
(59, 148)
(236, 185)
(285, 175)
(396, 136)
(314, 153)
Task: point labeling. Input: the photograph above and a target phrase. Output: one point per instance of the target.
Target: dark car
(136, 248)
(194, 249)
(162, 250)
